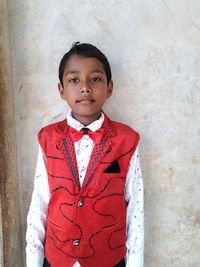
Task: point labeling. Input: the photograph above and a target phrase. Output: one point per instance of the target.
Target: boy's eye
(95, 79)
(74, 80)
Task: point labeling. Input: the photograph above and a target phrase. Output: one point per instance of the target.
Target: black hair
(85, 50)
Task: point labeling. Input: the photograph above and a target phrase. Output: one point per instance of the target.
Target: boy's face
(85, 87)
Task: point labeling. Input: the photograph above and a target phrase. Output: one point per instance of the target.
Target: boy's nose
(85, 88)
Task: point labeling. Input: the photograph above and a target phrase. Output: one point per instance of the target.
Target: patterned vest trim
(88, 223)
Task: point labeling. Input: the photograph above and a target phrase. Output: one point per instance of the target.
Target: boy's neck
(86, 120)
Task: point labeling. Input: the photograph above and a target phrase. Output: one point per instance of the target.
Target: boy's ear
(61, 90)
(110, 88)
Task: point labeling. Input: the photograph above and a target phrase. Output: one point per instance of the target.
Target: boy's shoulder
(51, 131)
(53, 127)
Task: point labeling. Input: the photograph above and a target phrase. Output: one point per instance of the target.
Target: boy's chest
(84, 157)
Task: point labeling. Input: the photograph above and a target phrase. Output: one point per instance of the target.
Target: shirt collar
(77, 125)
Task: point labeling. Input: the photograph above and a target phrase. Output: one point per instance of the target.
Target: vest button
(76, 242)
(80, 203)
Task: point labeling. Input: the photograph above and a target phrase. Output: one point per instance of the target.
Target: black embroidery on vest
(60, 146)
(102, 191)
(105, 214)
(65, 189)
(54, 157)
(114, 246)
(70, 220)
(60, 177)
(122, 155)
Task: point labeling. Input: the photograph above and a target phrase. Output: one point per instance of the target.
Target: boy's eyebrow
(99, 71)
(75, 71)
(70, 72)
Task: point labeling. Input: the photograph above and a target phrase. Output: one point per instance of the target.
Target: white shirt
(36, 219)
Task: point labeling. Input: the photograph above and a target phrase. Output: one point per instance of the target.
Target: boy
(87, 203)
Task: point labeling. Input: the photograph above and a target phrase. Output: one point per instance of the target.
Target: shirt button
(76, 242)
(80, 203)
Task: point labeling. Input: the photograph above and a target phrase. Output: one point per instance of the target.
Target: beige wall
(154, 51)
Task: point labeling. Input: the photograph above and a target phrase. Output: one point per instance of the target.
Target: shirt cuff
(135, 259)
(35, 259)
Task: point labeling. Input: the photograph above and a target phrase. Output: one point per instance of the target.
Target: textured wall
(154, 50)
(10, 225)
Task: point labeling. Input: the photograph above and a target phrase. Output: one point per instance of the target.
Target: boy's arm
(135, 213)
(36, 219)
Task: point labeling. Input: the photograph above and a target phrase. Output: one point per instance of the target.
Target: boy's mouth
(85, 101)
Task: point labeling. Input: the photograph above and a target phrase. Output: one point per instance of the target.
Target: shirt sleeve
(134, 192)
(36, 219)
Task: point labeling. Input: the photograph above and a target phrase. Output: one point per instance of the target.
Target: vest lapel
(67, 148)
(70, 151)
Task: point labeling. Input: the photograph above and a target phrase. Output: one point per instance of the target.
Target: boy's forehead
(78, 63)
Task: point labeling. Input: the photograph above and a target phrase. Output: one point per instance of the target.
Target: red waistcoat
(87, 224)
